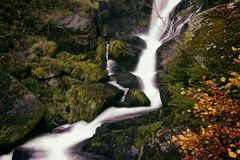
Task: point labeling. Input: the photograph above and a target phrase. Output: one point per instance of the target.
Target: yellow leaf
(174, 138)
(183, 92)
(234, 49)
(235, 74)
(238, 151)
(232, 154)
(223, 79)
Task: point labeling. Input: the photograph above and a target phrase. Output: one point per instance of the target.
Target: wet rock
(20, 111)
(127, 80)
(125, 54)
(136, 97)
(22, 153)
(82, 102)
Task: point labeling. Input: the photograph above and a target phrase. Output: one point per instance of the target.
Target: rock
(125, 54)
(136, 97)
(22, 153)
(100, 53)
(20, 111)
(89, 72)
(127, 80)
(165, 52)
(15, 63)
(43, 48)
(122, 19)
(82, 102)
(47, 70)
(122, 140)
(87, 101)
(76, 33)
(138, 42)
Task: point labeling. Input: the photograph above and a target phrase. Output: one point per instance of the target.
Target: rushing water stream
(55, 146)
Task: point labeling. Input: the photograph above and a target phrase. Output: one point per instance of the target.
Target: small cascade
(56, 145)
(110, 68)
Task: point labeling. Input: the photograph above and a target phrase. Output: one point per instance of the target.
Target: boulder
(124, 53)
(15, 63)
(47, 70)
(89, 72)
(43, 48)
(76, 33)
(20, 111)
(82, 102)
(136, 97)
(127, 80)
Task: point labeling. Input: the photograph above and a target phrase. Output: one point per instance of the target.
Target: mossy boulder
(129, 139)
(47, 68)
(73, 21)
(100, 53)
(20, 110)
(89, 72)
(136, 97)
(87, 101)
(15, 63)
(125, 54)
(82, 102)
(43, 48)
(127, 80)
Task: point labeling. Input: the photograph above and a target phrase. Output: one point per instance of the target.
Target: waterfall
(110, 69)
(56, 145)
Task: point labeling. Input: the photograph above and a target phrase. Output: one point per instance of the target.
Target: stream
(55, 146)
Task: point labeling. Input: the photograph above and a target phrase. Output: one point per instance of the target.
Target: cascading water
(56, 146)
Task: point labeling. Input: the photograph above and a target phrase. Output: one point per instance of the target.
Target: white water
(55, 146)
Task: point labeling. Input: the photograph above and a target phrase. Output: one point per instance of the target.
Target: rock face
(136, 97)
(20, 111)
(79, 33)
(124, 18)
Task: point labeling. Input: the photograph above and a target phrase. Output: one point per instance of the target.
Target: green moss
(136, 97)
(89, 72)
(146, 134)
(44, 48)
(86, 101)
(116, 48)
(100, 53)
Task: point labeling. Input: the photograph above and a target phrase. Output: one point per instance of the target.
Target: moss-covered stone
(48, 69)
(125, 54)
(136, 97)
(89, 72)
(131, 139)
(20, 111)
(15, 63)
(100, 53)
(81, 102)
(43, 48)
(87, 101)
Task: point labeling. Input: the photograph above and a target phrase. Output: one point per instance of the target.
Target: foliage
(219, 109)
